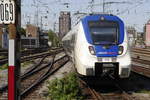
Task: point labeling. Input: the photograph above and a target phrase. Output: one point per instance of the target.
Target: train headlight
(120, 50)
(91, 49)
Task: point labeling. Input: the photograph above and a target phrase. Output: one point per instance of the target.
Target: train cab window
(104, 32)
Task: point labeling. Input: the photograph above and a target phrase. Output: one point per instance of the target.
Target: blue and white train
(98, 44)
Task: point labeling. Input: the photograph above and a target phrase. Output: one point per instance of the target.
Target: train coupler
(106, 68)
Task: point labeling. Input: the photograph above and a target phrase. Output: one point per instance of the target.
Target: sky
(133, 12)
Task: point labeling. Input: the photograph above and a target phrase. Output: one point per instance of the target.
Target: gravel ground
(141, 96)
(3, 77)
(59, 74)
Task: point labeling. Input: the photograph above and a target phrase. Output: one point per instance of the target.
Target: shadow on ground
(135, 83)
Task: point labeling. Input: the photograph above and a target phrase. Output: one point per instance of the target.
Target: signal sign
(7, 12)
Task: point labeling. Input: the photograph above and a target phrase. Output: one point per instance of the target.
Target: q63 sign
(7, 11)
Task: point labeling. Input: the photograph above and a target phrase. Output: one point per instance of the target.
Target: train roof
(99, 16)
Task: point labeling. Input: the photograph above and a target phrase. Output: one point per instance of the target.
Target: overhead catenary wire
(139, 3)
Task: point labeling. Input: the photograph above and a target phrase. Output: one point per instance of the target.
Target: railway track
(141, 70)
(26, 73)
(30, 57)
(3, 90)
(140, 53)
(141, 66)
(28, 51)
(4, 53)
(3, 50)
(25, 58)
(49, 70)
(25, 52)
(142, 61)
(37, 73)
(123, 94)
(3, 61)
(139, 50)
(96, 95)
(93, 94)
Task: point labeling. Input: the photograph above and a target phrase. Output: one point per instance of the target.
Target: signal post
(10, 14)
(14, 53)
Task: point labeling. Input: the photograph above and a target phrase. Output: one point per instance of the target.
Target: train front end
(105, 49)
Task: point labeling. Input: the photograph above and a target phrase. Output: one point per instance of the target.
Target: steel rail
(140, 49)
(141, 70)
(125, 95)
(96, 95)
(43, 77)
(141, 61)
(32, 70)
(28, 58)
(4, 88)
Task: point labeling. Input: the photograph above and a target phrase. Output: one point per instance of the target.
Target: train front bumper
(97, 68)
(100, 70)
(92, 65)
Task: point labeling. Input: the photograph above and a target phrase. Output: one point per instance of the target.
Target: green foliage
(53, 38)
(22, 31)
(144, 91)
(3, 67)
(66, 88)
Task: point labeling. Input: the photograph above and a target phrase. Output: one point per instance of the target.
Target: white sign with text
(7, 12)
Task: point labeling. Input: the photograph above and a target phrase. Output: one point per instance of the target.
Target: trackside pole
(14, 55)
(1, 32)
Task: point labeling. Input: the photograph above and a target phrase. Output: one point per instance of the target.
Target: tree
(53, 38)
(22, 31)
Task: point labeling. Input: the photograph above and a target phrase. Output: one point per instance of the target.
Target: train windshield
(104, 32)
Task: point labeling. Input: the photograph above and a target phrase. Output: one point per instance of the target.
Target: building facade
(32, 31)
(132, 35)
(1, 32)
(64, 23)
(147, 33)
(4, 37)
